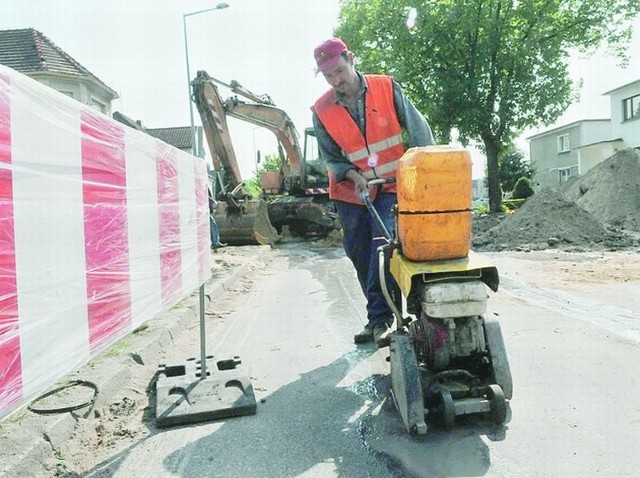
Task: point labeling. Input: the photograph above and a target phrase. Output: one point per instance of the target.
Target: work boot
(381, 335)
(215, 247)
(364, 336)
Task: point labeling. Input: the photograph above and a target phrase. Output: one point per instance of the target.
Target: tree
(523, 189)
(489, 68)
(513, 166)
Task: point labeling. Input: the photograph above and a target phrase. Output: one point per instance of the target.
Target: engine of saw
(446, 358)
(457, 353)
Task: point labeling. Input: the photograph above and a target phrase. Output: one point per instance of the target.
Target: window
(564, 174)
(70, 94)
(631, 108)
(98, 105)
(564, 144)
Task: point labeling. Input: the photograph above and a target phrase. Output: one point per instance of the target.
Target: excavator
(295, 197)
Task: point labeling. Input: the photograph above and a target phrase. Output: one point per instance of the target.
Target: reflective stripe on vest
(379, 171)
(375, 148)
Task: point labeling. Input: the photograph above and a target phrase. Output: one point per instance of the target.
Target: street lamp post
(219, 6)
(203, 352)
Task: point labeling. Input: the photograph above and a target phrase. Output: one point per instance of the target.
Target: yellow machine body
(406, 272)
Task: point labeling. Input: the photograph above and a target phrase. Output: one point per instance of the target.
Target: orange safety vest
(377, 153)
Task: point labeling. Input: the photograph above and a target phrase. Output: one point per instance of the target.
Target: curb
(27, 439)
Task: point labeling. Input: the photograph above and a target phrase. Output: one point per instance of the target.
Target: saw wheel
(498, 404)
(446, 410)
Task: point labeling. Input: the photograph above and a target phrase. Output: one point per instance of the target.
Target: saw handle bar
(382, 257)
(364, 196)
(376, 217)
(375, 182)
(378, 182)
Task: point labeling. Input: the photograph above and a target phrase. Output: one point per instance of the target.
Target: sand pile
(549, 220)
(600, 210)
(611, 191)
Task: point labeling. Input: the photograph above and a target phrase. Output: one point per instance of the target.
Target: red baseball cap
(328, 53)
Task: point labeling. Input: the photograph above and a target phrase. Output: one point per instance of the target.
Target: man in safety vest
(359, 124)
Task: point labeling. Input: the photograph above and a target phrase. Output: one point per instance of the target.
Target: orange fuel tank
(434, 203)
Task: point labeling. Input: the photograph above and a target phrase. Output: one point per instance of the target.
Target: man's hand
(360, 184)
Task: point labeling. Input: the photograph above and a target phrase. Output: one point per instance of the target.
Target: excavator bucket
(247, 224)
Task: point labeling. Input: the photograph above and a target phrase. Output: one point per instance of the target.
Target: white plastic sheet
(102, 227)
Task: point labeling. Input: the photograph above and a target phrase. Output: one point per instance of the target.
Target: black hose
(71, 408)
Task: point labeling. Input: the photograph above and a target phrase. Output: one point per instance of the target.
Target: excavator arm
(240, 219)
(260, 112)
(214, 123)
(278, 122)
(290, 202)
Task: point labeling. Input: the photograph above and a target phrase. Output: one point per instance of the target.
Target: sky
(137, 47)
(599, 73)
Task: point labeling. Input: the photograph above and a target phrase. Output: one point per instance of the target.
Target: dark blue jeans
(362, 238)
(213, 231)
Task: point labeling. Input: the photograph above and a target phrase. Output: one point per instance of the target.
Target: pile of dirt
(611, 191)
(333, 239)
(600, 210)
(549, 220)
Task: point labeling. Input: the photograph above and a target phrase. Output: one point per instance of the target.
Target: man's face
(343, 76)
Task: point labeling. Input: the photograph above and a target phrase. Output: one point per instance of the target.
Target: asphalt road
(324, 406)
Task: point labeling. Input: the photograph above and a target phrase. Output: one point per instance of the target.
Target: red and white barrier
(101, 228)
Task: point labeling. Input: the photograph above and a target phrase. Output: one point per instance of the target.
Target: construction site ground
(551, 243)
(70, 444)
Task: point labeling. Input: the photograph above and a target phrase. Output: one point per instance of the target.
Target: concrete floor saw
(446, 358)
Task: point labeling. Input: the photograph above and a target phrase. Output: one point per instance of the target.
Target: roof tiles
(29, 51)
(179, 136)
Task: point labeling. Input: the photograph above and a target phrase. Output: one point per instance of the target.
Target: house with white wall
(625, 113)
(33, 54)
(571, 150)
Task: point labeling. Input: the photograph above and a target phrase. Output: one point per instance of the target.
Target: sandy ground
(611, 276)
(129, 417)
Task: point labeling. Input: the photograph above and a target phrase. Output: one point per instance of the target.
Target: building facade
(31, 53)
(625, 113)
(571, 150)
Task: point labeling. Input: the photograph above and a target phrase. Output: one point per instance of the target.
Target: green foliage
(513, 166)
(272, 162)
(490, 68)
(512, 204)
(523, 189)
(481, 209)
